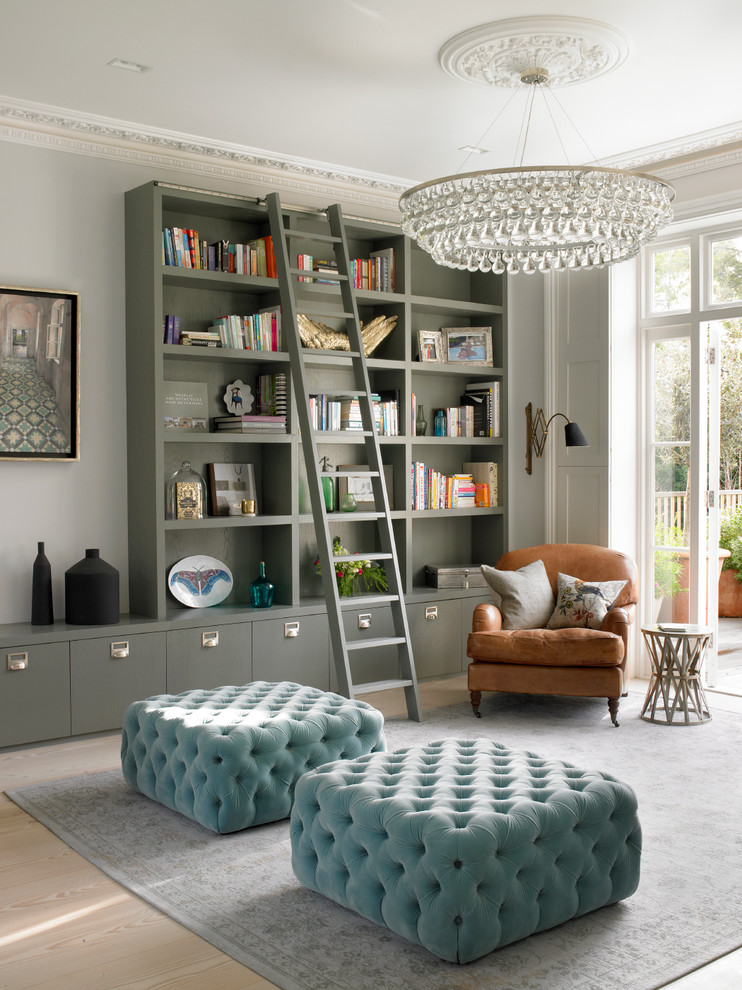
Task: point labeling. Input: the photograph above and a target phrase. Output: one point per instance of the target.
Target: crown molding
(60, 129)
(700, 152)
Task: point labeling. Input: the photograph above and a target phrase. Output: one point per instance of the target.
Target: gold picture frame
(40, 374)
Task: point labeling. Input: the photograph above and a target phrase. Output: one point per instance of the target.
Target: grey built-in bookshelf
(171, 647)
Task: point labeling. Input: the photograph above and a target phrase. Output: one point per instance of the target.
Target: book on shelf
(326, 268)
(201, 338)
(229, 484)
(304, 263)
(185, 406)
(171, 329)
(484, 474)
(485, 396)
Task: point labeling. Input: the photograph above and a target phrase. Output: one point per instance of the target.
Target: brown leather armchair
(577, 662)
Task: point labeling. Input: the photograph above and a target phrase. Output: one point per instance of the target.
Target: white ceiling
(357, 83)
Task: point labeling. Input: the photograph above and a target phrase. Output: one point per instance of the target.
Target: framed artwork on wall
(39, 374)
(468, 345)
(362, 486)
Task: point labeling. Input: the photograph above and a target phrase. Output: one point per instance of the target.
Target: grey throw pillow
(526, 598)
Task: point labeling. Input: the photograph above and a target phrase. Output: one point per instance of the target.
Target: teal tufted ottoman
(463, 847)
(230, 757)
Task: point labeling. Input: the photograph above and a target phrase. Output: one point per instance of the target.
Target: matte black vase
(42, 607)
(91, 592)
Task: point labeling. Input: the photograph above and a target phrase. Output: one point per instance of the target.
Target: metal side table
(675, 695)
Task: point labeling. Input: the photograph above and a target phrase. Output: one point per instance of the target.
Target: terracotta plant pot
(730, 596)
(680, 611)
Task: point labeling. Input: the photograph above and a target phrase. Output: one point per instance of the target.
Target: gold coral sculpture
(321, 337)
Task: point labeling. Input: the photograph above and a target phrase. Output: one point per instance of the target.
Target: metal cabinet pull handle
(17, 661)
(364, 620)
(290, 630)
(210, 639)
(431, 612)
(120, 651)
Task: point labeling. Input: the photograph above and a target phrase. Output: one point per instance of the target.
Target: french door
(692, 329)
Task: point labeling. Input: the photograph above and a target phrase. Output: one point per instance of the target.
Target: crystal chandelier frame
(534, 218)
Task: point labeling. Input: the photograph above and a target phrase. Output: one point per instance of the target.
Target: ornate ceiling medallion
(571, 49)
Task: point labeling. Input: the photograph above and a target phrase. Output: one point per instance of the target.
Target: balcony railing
(670, 507)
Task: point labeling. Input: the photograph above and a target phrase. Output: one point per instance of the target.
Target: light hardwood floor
(64, 925)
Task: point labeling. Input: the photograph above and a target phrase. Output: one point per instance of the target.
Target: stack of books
(271, 394)
(200, 338)
(250, 423)
(259, 332)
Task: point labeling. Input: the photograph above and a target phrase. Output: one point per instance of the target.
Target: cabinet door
(108, 674)
(435, 630)
(208, 657)
(295, 650)
(34, 693)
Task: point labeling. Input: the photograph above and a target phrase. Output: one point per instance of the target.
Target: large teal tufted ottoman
(230, 757)
(463, 847)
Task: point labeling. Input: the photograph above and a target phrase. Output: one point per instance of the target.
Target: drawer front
(377, 663)
(108, 674)
(34, 693)
(435, 630)
(209, 657)
(295, 650)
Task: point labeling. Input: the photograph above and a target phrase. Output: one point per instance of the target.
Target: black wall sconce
(537, 430)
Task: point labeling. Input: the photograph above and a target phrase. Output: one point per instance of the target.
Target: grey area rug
(239, 893)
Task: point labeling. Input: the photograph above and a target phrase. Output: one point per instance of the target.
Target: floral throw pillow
(582, 603)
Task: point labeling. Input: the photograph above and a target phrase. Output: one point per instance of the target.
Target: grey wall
(62, 222)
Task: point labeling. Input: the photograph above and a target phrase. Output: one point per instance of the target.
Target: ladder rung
(346, 393)
(360, 556)
(330, 436)
(370, 644)
(297, 235)
(326, 312)
(366, 601)
(325, 277)
(372, 686)
(350, 474)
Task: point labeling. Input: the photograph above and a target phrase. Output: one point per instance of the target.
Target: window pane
(671, 472)
(672, 390)
(670, 280)
(726, 270)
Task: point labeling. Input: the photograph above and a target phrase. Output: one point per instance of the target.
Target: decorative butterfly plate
(199, 581)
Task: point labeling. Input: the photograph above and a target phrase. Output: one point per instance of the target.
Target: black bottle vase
(91, 591)
(42, 607)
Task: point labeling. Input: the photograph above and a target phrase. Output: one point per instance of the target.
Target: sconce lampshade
(574, 437)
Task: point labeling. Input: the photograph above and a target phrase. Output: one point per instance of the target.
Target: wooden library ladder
(355, 359)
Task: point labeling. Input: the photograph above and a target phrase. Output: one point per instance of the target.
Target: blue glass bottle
(440, 423)
(261, 589)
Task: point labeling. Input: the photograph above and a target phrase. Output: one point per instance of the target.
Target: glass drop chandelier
(540, 218)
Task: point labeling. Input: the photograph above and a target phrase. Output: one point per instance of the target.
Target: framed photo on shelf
(468, 345)
(362, 486)
(40, 378)
(430, 346)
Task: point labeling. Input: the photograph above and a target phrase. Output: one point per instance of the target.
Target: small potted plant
(730, 582)
(667, 567)
(348, 573)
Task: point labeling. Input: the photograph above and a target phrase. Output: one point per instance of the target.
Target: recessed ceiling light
(473, 150)
(122, 63)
